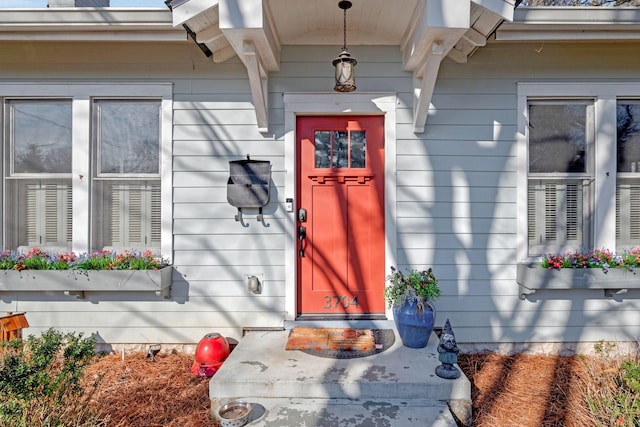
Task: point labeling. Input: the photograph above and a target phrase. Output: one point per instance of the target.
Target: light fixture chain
(344, 46)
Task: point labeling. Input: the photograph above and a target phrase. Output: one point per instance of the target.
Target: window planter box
(76, 282)
(532, 277)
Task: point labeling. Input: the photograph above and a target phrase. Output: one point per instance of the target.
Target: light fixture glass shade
(345, 72)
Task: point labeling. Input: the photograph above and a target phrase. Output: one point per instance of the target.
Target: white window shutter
(133, 216)
(555, 217)
(627, 215)
(48, 215)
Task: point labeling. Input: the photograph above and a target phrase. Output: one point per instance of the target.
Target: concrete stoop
(397, 387)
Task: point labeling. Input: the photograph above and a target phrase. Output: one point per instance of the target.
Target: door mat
(340, 343)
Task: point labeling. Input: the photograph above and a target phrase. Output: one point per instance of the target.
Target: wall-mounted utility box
(248, 184)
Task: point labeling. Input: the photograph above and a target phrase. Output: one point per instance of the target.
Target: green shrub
(40, 380)
(613, 396)
(632, 374)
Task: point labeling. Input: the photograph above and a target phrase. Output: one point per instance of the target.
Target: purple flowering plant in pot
(411, 297)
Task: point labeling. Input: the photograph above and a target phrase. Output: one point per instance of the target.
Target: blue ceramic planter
(414, 326)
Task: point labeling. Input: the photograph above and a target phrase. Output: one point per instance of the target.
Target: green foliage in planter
(38, 259)
(40, 380)
(416, 286)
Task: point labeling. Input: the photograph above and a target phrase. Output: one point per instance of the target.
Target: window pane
(129, 137)
(340, 158)
(323, 148)
(628, 137)
(41, 136)
(557, 138)
(358, 149)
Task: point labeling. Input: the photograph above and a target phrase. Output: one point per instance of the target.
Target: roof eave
(89, 24)
(571, 23)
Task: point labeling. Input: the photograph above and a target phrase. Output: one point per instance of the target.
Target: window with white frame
(578, 167)
(83, 168)
(126, 185)
(38, 173)
(560, 147)
(628, 174)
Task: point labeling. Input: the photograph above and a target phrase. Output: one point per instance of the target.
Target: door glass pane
(128, 137)
(41, 136)
(340, 159)
(358, 149)
(322, 148)
(628, 140)
(557, 138)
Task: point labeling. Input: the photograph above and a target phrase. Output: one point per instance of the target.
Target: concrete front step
(262, 371)
(283, 412)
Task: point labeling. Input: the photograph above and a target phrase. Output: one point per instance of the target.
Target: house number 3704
(335, 301)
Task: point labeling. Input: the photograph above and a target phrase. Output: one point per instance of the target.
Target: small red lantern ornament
(211, 352)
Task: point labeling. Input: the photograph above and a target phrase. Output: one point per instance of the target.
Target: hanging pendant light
(344, 63)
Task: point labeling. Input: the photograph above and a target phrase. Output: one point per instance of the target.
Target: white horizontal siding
(456, 189)
(463, 169)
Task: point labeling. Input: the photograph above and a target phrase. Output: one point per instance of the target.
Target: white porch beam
(224, 54)
(435, 29)
(242, 20)
(191, 9)
(210, 35)
(258, 84)
(503, 8)
(249, 28)
(475, 37)
(443, 20)
(422, 96)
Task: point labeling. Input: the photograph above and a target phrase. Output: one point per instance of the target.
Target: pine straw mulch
(139, 392)
(519, 390)
(527, 390)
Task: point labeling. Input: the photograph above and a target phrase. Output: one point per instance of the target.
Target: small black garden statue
(448, 354)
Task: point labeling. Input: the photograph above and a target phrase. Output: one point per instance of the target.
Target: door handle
(302, 235)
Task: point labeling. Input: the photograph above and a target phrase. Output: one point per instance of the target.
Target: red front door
(341, 215)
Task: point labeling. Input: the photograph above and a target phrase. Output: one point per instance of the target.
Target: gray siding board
(428, 194)
(223, 209)
(464, 162)
(497, 225)
(440, 178)
(224, 222)
(457, 209)
(224, 242)
(213, 179)
(222, 133)
(477, 241)
(219, 163)
(476, 257)
(229, 148)
(231, 258)
(582, 301)
(486, 132)
(226, 275)
(456, 148)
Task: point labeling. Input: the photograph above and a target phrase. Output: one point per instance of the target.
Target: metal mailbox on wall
(248, 185)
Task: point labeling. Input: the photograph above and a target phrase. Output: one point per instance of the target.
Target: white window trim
(81, 95)
(605, 96)
(309, 104)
